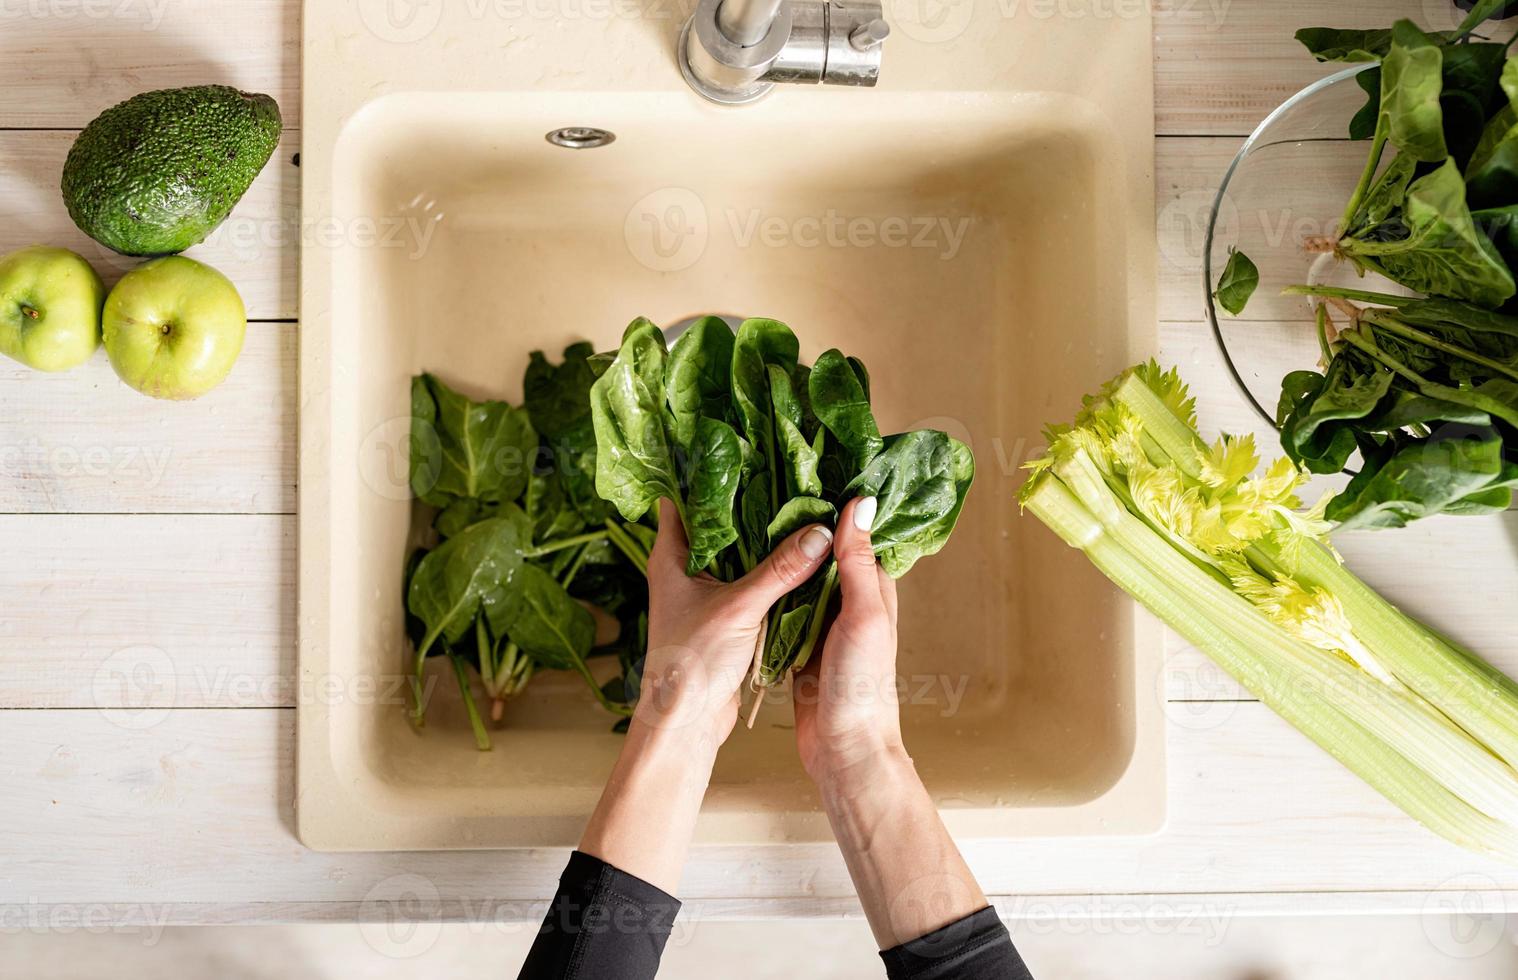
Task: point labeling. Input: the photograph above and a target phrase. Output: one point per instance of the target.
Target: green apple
(174, 327)
(50, 302)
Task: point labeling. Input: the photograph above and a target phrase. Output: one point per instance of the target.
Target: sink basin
(977, 249)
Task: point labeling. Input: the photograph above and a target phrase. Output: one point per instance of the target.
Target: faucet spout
(746, 22)
(734, 51)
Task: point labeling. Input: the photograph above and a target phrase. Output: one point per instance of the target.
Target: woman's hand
(847, 709)
(702, 633)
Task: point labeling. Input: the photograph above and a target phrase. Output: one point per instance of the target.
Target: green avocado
(157, 173)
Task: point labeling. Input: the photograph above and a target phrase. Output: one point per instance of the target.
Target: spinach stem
(574, 567)
(487, 654)
(607, 703)
(562, 543)
(481, 736)
(1322, 325)
(1358, 295)
(625, 544)
(1410, 332)
(1377, 148)
(819, 613)
(1357, 339)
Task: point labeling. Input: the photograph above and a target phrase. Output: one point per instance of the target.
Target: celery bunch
(1232, 562)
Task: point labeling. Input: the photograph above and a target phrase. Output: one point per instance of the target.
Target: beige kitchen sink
(980, 233)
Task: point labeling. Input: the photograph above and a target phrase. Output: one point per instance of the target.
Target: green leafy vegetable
(805, 441)
(1239, 281)
(1412, 79)
(466, 449)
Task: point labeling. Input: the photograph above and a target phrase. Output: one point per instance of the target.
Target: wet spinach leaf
(920, 480)
(716, 467)
(1444, 253)
(841, 400)
(467, 449)
(699, 377)
(797, 456)
(635, 465)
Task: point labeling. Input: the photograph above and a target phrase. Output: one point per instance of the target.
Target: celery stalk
(1178, 601)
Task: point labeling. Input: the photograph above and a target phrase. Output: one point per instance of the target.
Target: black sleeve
(976, 947)
(603, 924)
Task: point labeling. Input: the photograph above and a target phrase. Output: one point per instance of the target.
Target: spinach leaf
(841, 402)
(1350, 390)
(796, 514)
(557, 397)
(634, 462)
(1444, 253)
(700, 377)
(797, 456)
(1239, 281)
(549, 509)
(716, 466)
(920, 480)
(1411, 83)
(1469, 93)
(1429, 476)
(759, 345)
(755, 512)
(1481, 12)
(1363, 125)
(463, 574)
(1386, 198)
(541, 618)
(1326, 448)
(481, 450)
(783, 642)
(1330, 44)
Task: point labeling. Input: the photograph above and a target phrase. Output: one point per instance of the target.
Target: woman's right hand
(848, 714)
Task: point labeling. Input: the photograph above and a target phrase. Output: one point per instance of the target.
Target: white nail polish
(864, 513)
(816, 542)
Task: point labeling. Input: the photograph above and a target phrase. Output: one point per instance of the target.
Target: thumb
(787, 567)
(858, 577)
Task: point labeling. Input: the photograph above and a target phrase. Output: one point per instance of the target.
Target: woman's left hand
(702, 632)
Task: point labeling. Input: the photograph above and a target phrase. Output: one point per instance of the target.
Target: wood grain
(62, 63)
(131, 614)
(202, 803)
(81, 441)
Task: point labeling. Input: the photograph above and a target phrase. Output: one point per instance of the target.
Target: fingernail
(816, 542)
(864, 513)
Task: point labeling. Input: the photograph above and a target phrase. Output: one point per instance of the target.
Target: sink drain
(580, 137)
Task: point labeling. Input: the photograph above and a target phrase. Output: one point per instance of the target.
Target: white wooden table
(147, 609)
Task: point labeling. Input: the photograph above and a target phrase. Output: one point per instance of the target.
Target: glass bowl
(1288, 184)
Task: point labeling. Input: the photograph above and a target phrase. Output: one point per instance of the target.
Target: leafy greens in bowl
(1418, 368)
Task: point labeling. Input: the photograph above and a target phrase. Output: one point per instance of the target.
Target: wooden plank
(256, 247)
(1222, 66)
(203, 803)
(65, 61)
(130, 615)
(81, 441)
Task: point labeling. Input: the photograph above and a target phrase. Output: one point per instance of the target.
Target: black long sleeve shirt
(605, 924)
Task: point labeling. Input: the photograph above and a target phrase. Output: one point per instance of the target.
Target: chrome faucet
(734, 51)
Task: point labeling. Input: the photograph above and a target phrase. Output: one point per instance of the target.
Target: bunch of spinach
(523, 546)
(751, 445)
(1424, 390)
